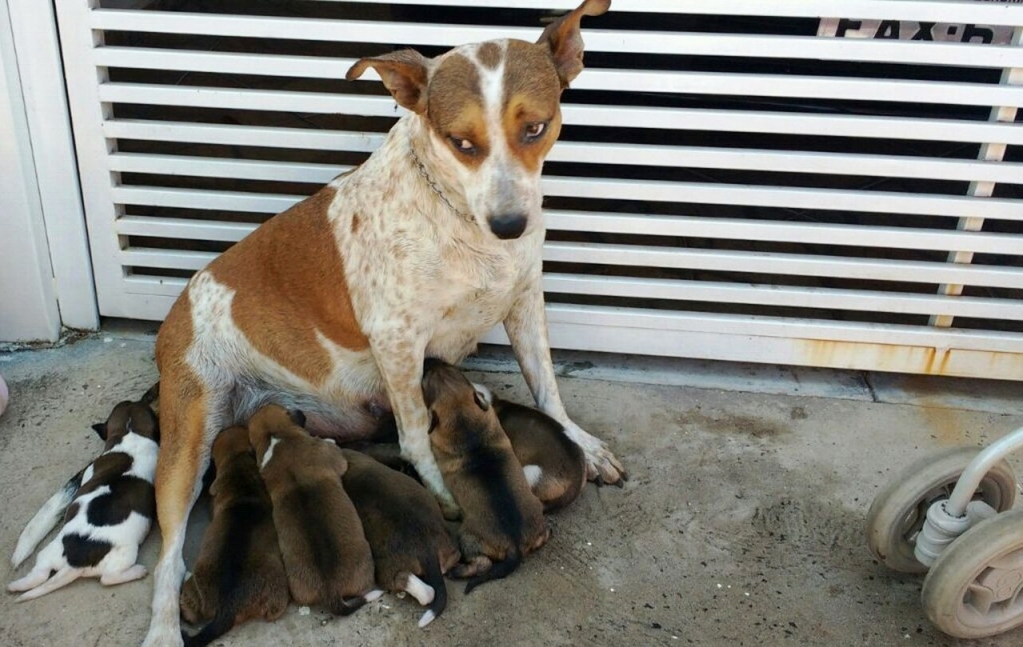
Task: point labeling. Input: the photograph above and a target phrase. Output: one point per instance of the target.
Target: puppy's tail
(44, 520)
(497, 571)
(61, 578)
(220, 625)
(340, 606)
(152, 395)
(433, 576)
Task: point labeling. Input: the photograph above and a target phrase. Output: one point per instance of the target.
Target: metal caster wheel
(975, 589)
(899, 511)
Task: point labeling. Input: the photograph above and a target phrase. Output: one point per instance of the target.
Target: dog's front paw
(602, 466)
(164, 636)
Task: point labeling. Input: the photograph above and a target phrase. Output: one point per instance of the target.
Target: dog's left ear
(563, 39)
(101, 430)
(405, 74)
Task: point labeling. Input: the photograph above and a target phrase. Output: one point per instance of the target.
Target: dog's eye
(462, 145)
(534, 130)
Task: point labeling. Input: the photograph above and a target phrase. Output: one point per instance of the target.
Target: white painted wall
(45, 272)
(28, 301)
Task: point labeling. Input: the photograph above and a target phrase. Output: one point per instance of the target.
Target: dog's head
(493, 111)
(461, 415)
(128, 417)
(274, 421)
(229, 443)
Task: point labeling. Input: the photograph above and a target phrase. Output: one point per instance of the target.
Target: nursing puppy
(110, 513)
(239, 574)
(502, 519)
(326, 555)
(411, 545)
(554, 466)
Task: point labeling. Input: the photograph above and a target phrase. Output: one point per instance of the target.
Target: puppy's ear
(297, 416)
(563, 39)
(101, 430)
(482, 396)
(404, 73)
(434, 422)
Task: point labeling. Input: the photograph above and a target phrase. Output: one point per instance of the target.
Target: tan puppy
(554, 466)
(326, 554)
(405, 529)
(240, 573)
(502, 519)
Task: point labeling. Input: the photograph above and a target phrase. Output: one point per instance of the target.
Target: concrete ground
(742, 524)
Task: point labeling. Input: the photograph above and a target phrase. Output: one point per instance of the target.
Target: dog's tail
(44, 520)
(433, 577)
(497, 571)
(220, 625)
(61, 578)
(152, 395)
(340, 606)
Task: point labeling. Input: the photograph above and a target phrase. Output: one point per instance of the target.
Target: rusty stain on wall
(925, 360)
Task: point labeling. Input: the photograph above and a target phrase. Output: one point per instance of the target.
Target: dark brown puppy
(326, 555)
(502, 519)
(405, 529)
(239, 574)
(554, 466)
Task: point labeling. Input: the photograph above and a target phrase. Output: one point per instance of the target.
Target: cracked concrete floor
(742, 523)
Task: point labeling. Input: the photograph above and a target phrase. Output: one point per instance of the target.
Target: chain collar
(433, 185)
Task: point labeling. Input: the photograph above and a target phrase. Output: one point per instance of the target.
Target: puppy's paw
(450, 509)
(602, 467)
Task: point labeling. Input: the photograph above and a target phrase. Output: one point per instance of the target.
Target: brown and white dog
(239, 575)
(412, 548)
(502, 519)
(109, 515)
(554, 466)
(326, 555)
(331, 306)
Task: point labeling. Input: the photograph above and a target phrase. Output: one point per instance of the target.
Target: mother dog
(331, 306)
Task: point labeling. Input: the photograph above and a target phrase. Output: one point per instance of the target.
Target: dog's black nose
(508, 225)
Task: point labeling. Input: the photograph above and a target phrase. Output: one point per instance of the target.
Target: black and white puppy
(110, 512)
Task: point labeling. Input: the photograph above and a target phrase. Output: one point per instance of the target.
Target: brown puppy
(325, 552)
(502, 519)
(240, 573)
(554, 466)
(405, 529)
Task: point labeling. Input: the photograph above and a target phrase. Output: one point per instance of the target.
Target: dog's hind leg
(136, 572)
(192, 411)
(50, 558)
(60, 579)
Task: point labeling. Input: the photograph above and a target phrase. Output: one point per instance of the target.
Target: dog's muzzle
(508, 226)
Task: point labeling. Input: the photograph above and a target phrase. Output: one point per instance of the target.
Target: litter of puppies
(299, 518)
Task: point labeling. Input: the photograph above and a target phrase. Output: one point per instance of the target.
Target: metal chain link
(433, 185)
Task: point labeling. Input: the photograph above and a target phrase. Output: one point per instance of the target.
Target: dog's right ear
(566, 44)
(404, 73)
(101, 430)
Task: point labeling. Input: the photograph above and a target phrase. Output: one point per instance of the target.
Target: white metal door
(729, 184)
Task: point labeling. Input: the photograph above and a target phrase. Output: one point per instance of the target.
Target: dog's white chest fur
(415, 264)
